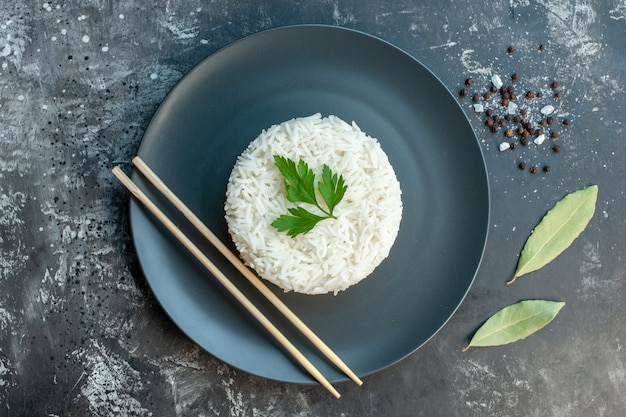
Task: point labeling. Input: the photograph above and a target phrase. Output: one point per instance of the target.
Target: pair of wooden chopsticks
(245, 271)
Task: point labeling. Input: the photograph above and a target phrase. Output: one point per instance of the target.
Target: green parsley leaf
(331, 188)
(301, 221)
(300, 187)
(298, 180)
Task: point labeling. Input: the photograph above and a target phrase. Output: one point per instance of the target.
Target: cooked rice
(336, 253)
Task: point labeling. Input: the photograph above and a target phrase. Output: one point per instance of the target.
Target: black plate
(223, 104)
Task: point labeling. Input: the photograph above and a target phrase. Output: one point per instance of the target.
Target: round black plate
(267, 78)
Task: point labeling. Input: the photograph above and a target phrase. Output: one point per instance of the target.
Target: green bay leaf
(515, 322)
(557, 230)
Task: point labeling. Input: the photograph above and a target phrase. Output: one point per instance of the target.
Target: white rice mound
(336, 253)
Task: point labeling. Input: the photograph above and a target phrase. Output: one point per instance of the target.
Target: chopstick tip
(137, 160)
(116, 171)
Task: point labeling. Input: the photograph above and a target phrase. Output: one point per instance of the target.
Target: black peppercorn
(530, 94)
(534, 169)
(487, 95)
(515, 76)
(508, 133)
(524, 141)
(522, 165)
(475, 97)
(543, 123)
(493, 89)
(554, 134)
(554, 85)
(542, 47)
(538, 94)
(510, 49)
(523, 112)
(513, 145)
(517, 119)
(469, 82)
(558, 95)
(494, 128)
(463, 92)
(489, 112)
(566, 122)
(556, 149)
(489, 122)
(505, 102)
(546, 169)
(550, 120)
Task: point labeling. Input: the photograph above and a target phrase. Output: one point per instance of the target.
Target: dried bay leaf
(557, 230)
(515, 322)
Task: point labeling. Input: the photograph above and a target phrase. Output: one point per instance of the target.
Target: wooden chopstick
(195, 251)
(245, 271)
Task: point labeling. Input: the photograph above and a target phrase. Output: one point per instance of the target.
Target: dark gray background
(80, 332)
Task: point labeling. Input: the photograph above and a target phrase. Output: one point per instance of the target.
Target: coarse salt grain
(504, 146)
(479, 108)
(496, 81)
(539, 140)
(512, 108)
(546, 110)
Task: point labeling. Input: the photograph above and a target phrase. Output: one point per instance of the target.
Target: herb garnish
(557, 230)
(554, 233)
(515, 322)
(300, 186)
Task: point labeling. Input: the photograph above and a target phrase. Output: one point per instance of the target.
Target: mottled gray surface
(80, 332)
